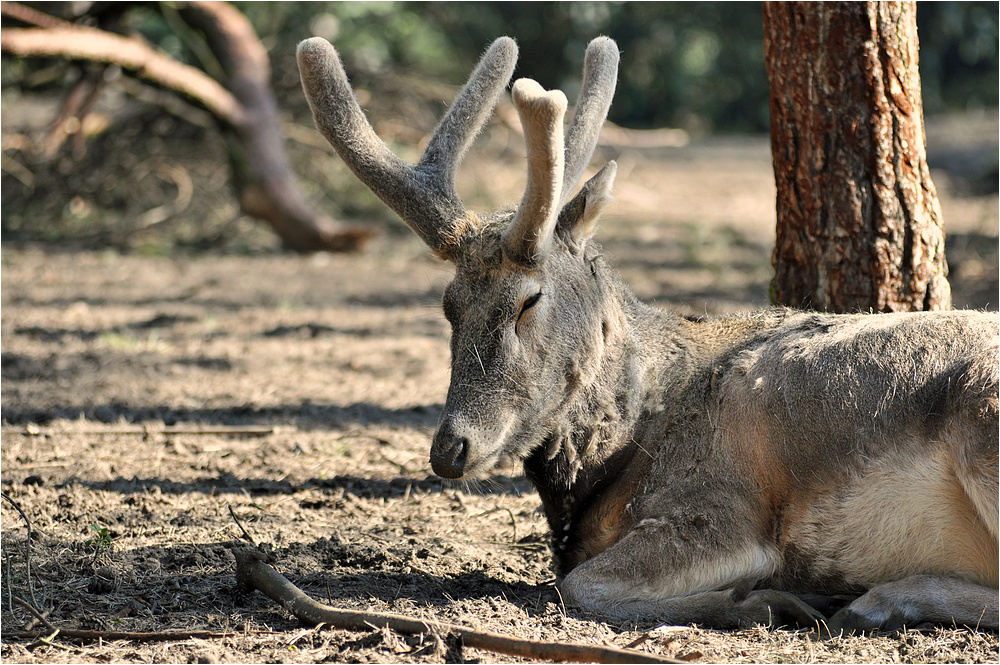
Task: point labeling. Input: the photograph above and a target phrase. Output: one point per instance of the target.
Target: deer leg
(920, 599)
(650, 576)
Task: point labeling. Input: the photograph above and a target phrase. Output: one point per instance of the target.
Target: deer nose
(449, 451)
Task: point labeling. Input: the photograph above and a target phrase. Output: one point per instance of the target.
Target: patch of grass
(113, 339)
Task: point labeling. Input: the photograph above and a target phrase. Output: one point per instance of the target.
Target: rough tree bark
(243, 104)
(859, 224)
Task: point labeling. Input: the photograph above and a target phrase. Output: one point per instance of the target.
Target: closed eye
(528, 304)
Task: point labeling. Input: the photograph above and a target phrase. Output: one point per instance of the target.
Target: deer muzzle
(449, 450)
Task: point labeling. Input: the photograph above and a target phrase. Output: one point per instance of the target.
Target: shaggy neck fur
(592, 443)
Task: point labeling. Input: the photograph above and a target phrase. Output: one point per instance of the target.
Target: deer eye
(528, 304)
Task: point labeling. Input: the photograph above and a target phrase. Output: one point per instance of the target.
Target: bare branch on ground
(266, 185)
(252, 573)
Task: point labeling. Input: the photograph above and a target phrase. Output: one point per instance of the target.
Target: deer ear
(578, 219)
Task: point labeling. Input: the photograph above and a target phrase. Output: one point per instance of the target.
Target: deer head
(531, 312)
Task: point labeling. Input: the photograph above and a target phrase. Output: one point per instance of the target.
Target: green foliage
(369, 35)
(697, 65)
(101, 542)
(958, 55)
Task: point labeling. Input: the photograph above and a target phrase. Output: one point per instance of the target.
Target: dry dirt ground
(343, 361)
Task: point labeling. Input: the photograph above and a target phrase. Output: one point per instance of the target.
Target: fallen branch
(266, 184)
(83, 94)
(269, 188)
(85, 43)
(253, 573)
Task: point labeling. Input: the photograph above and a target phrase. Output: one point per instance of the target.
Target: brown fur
(607, 519)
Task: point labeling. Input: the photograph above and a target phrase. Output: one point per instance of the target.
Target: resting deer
(712, 471)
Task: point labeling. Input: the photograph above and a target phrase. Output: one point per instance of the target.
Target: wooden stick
(252, 573)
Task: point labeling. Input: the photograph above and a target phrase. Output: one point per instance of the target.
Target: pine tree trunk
(859, 223)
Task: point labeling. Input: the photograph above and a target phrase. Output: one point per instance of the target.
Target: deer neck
(583, 463)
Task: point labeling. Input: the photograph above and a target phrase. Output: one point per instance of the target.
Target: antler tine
(528, 239)
(469, 112)
(425, 196)
(600, 76)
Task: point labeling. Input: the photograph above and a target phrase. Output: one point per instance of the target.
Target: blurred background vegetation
(697, 66)
(694, 65)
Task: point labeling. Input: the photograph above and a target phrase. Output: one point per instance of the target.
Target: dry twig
(27, 550)
(252, 573)
(246, 534)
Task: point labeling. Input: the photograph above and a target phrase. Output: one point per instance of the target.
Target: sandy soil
(343, 360)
